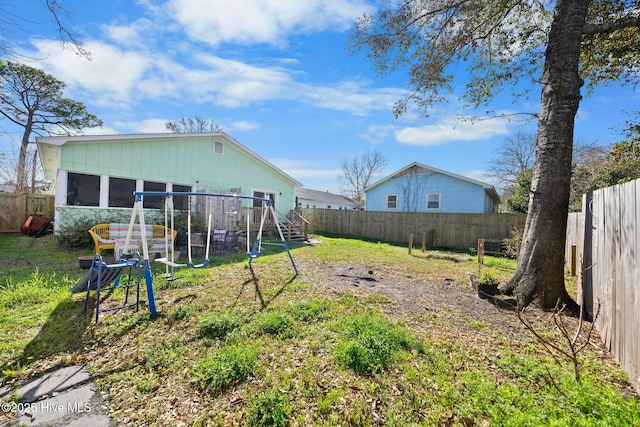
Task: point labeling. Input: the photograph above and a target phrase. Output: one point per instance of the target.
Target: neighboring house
(307, 198)
(95, 176)
(422, 188)
(7, 188)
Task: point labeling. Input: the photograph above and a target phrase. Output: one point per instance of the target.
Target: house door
(257, 204)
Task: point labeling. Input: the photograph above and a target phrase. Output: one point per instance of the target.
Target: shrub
(76, 235)
(512, 244)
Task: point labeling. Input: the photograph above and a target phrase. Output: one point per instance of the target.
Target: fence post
(480, 251)
(410, 242)
(573, 260)
(424, 241)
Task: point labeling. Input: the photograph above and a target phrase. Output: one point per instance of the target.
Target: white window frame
(439, 201)
(396, 202)
(217, 144)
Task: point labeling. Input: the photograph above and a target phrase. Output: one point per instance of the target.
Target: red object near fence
(35, 225)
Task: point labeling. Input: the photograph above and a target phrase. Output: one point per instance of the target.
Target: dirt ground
(446, 304)
(411, 292)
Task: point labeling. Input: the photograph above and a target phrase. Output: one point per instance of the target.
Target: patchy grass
(370, 344)
(365, 335)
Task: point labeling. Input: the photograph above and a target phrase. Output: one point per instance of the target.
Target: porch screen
(83, 190)
(121, 192)
(154, 202)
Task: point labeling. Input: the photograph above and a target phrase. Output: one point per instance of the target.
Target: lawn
(365, 335)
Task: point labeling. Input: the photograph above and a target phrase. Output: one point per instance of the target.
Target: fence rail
(603, 241)
(15, 208)
(444, 230)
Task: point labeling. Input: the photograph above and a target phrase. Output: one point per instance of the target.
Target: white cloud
(112, 72)
(376, 134)
(121, 79)
(262, 21)
(299, 169)
(449, 130)
(355, 97)
(105, 130)
(479, 175)
(315, 173)
(232, 83)
(132, 35)
(143, 126)
(243, 125)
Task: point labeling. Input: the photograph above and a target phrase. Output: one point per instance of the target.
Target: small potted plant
(486, 284)
(85, 262)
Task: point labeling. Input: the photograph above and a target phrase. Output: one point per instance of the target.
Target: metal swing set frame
(254, 252)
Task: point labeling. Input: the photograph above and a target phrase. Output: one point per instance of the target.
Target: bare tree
(515, 154)
(358, 171)
(589, 164)
(193, 125)
(12, 20)
(512, 168)
(412, 187)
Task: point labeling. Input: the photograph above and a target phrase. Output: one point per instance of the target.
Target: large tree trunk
(21, 172)
(539, 277)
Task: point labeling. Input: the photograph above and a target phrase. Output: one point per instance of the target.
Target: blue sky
(277, 75)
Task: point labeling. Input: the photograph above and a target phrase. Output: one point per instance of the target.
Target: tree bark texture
(539, 276)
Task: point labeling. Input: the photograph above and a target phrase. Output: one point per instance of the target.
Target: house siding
(456, 196)
(183, 161)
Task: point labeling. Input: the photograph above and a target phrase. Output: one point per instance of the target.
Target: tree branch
(610, 27)
(65, 35)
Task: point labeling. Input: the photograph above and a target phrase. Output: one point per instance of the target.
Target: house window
(154, 202)
(121, 192)
(218, 147)
(392, 201)
(181, 202)
(433, 201)
(83, 190)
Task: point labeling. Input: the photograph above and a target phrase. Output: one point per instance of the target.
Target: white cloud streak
(449, 131)
(122, 78)
(299, 169)
(262, 21)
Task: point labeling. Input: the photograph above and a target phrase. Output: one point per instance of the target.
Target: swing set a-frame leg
(255, 251)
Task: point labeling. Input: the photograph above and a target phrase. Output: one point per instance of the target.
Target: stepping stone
(53, 382)
(48, 410)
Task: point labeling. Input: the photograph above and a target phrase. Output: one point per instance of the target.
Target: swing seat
(204, 264)
(169, 263)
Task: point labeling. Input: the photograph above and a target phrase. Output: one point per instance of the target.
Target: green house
(95, 176)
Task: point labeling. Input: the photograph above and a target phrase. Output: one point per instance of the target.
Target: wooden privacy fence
(604, 238)
(15, 208)
(443, 230)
